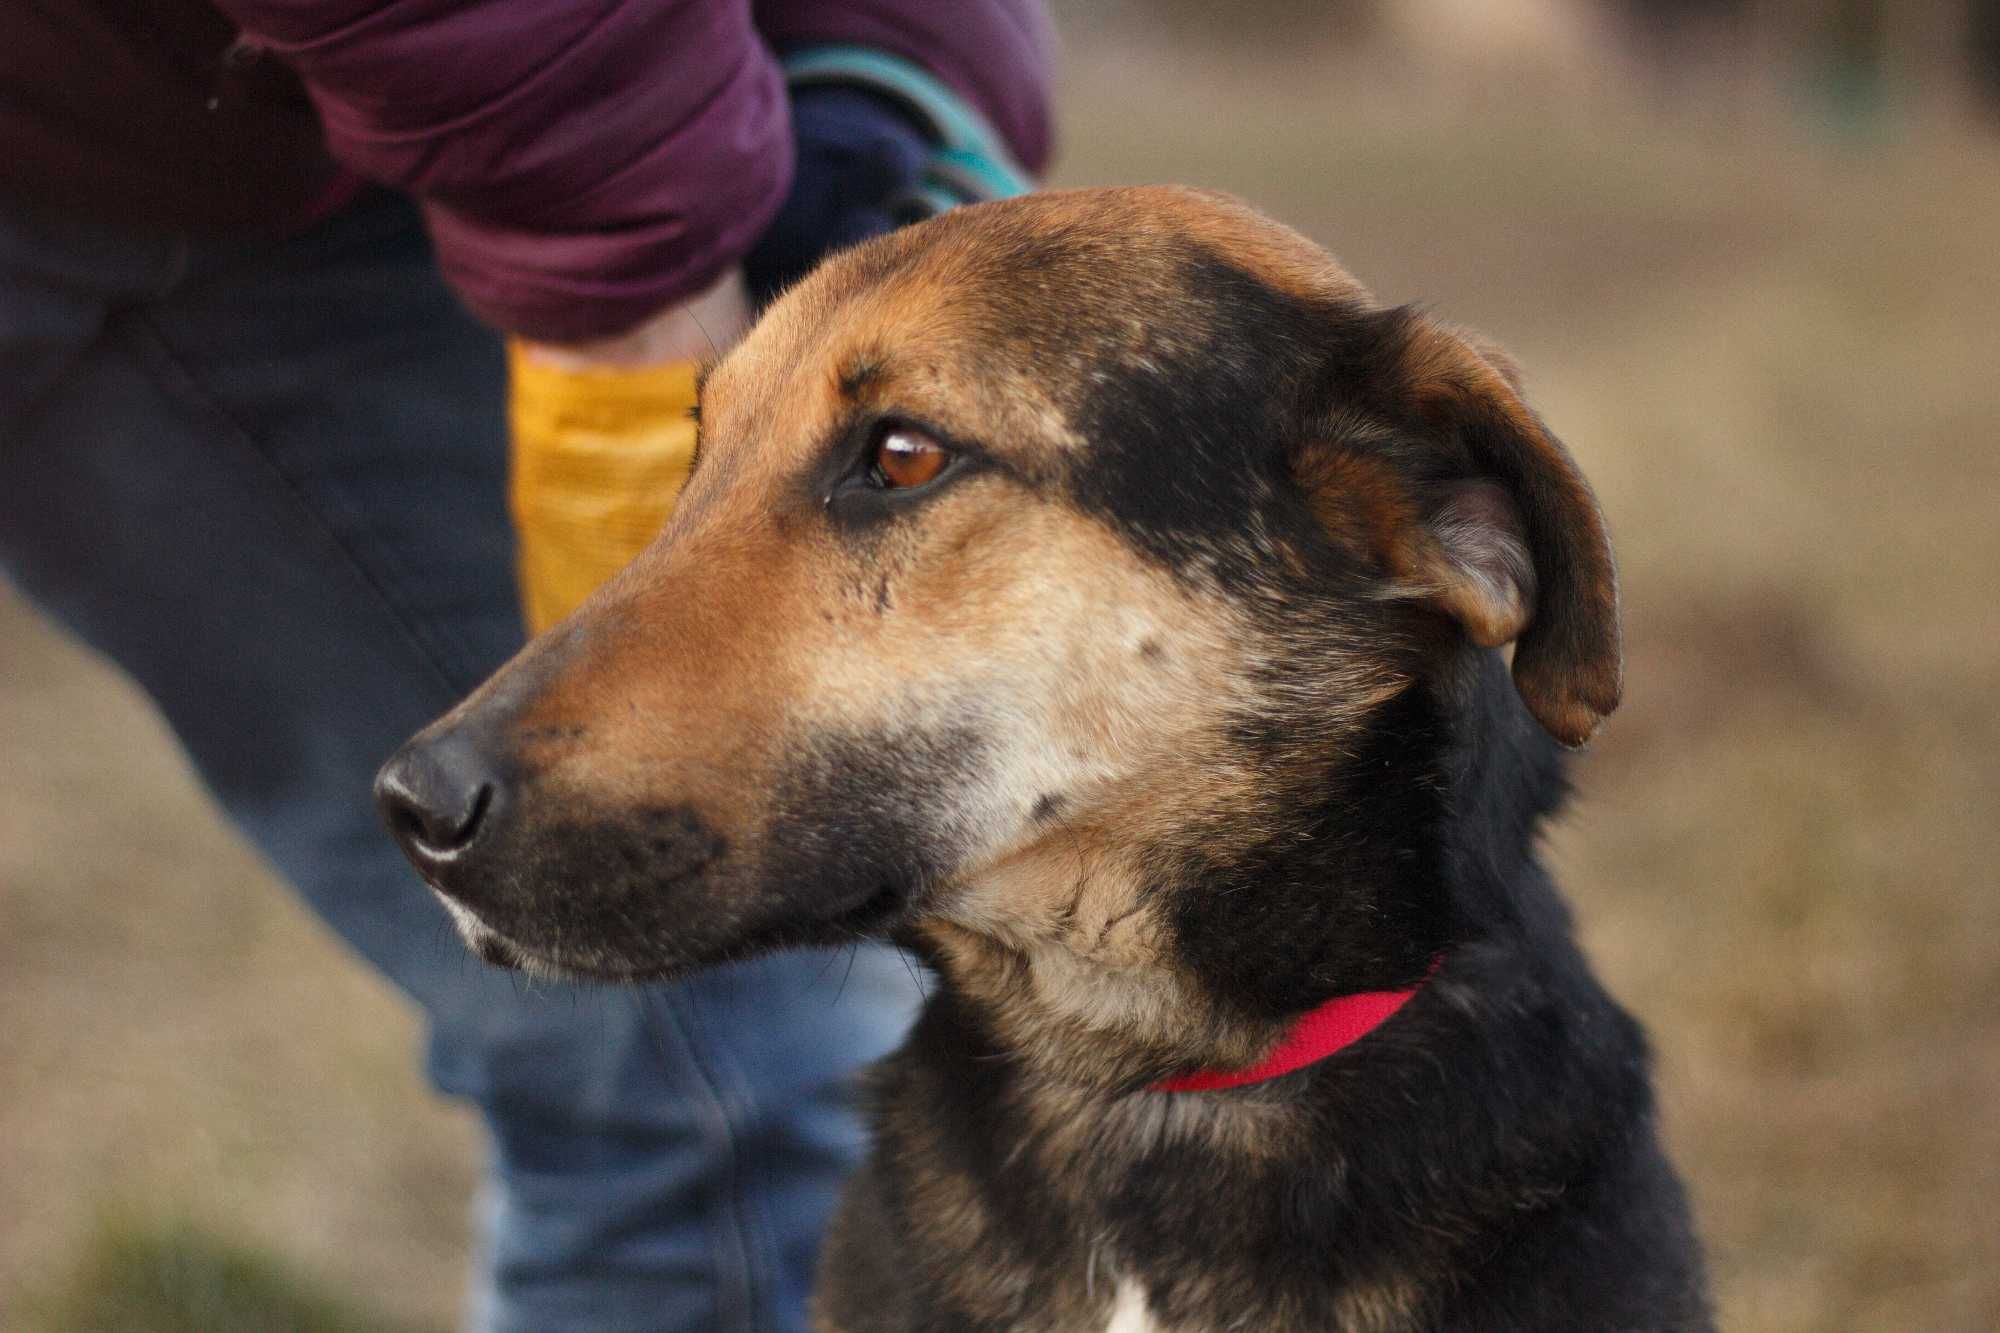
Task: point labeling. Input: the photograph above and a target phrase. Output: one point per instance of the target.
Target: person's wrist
(700, 328)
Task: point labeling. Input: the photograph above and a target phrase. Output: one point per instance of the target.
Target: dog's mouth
(497, 951)
(872, 917)
(876, 916)
(489, 945)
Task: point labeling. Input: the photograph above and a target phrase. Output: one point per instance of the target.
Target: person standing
(263, 267)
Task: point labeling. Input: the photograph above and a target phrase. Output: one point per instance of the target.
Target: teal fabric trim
(971, 161)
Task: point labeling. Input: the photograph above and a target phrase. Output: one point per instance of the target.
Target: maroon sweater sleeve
(585, 163)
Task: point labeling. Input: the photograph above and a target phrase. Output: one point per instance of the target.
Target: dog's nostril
(438, 830)
(435, 798)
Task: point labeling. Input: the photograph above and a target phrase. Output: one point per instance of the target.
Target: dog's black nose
(437, 794)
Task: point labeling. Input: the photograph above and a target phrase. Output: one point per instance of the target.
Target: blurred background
(1745, 250)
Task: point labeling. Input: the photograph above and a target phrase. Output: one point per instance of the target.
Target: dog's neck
(1030, 1073)
(1145, 981)
(1081, 1020)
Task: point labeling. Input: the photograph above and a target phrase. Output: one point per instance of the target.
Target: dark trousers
(266, 478)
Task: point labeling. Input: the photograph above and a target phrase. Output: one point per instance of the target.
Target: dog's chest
(1130, 1313)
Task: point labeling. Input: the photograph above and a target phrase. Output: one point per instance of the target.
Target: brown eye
(907, 458)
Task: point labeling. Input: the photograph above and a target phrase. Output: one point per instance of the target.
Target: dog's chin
(875, 918)
(489, 946)
(498, 950)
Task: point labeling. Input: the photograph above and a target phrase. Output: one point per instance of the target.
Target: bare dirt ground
(1776, 355)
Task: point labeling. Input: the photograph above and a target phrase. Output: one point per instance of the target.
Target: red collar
(1334, 1026)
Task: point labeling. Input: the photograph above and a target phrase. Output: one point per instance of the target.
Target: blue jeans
(266, 477)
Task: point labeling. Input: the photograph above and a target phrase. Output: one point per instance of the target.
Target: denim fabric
(266, 477)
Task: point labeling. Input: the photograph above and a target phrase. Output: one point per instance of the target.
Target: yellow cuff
(599, 457)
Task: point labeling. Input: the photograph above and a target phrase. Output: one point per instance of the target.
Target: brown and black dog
(1103, 595)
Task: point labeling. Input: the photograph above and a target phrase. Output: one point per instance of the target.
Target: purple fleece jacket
(583, 163)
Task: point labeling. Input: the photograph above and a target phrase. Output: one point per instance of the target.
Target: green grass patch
(177, 1278)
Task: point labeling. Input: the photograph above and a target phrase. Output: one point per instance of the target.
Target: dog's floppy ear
(1473, 505)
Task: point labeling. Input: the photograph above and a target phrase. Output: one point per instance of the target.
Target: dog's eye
(906, 458)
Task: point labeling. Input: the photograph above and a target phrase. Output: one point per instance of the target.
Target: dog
(1105, 597)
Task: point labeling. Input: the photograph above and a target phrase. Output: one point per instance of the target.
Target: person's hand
(699, 329)
(603, 434)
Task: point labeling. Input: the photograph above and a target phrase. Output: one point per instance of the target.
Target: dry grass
(186, 1056)
(1777, 358)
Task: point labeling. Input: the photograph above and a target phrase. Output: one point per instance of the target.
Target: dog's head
(1061, 581)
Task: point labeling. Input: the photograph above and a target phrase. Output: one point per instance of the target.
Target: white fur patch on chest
(1129, 1313)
